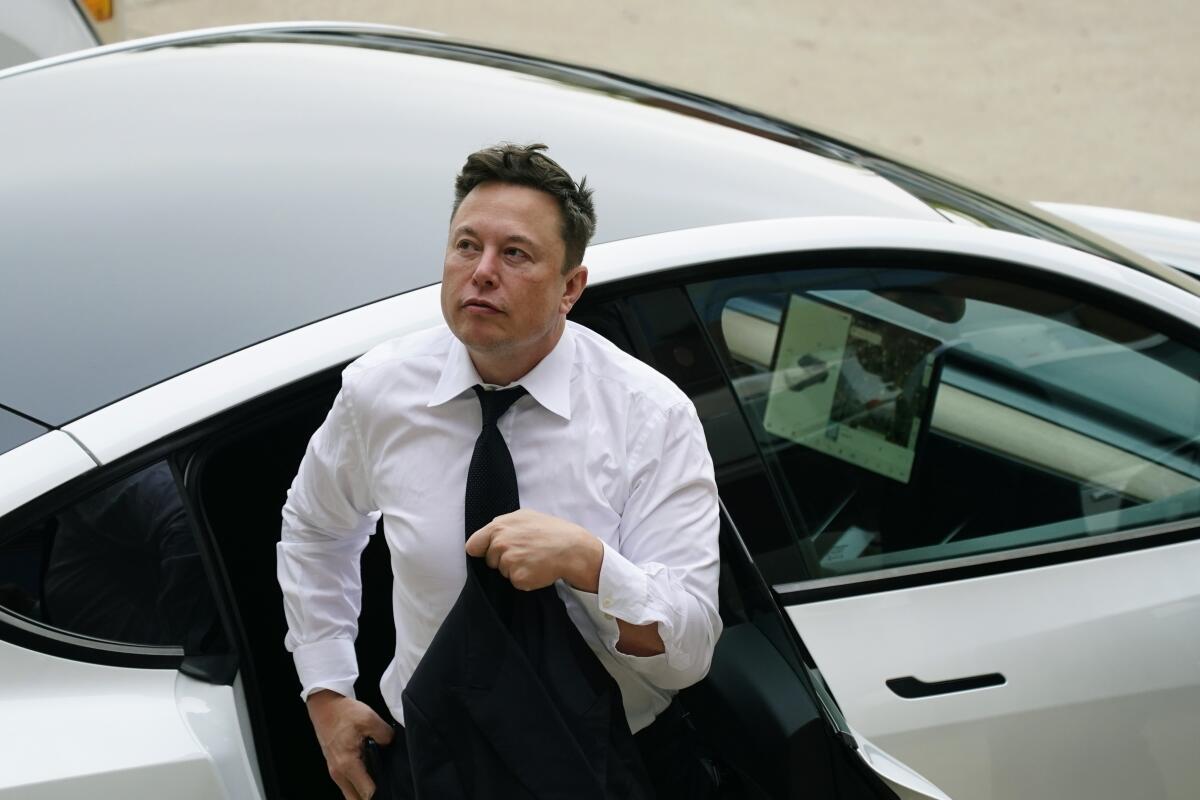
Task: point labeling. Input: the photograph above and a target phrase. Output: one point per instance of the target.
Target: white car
(957, 441)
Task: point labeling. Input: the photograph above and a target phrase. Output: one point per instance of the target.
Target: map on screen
(852, 386)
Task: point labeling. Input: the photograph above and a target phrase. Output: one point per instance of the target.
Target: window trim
(32, 635)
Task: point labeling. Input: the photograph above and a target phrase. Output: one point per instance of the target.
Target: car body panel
(215, 715)
(1171, 240)
(1095, 661)
(38, 466)
(88, 730)
(900, 778)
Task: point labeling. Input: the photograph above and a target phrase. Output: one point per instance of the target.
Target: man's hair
(527, 165)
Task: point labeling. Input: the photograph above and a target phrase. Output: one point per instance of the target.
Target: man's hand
(533, 550)
(342, 723)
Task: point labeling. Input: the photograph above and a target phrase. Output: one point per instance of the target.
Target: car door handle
(911, 688)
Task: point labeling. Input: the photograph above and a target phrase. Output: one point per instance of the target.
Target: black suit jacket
(509, 702)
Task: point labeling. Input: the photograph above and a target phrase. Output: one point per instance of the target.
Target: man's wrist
(321, 699)
(587, 557)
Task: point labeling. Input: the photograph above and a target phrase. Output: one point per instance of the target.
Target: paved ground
(1092, 101)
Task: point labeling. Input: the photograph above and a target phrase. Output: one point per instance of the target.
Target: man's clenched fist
(534, 550)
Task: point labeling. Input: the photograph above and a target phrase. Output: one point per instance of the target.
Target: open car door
(967, 463)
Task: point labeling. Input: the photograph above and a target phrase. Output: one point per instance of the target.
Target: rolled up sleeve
(665, 569)
(327, 519)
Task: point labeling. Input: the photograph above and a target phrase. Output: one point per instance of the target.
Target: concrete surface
(1088, 101)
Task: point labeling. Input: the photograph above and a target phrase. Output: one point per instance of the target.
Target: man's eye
(465, 244)
(516, 252)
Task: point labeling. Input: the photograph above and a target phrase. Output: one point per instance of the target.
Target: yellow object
(100, 10)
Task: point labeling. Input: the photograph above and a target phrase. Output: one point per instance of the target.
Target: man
(618, 504)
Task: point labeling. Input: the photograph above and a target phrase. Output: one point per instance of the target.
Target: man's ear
(576, 283)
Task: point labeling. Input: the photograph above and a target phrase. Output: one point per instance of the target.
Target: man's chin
(479, 339)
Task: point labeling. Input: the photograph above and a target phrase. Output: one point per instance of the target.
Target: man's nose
(487, 268)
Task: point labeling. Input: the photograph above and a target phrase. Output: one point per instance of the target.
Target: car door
(764, 714)
(115, 676)
(968, 464)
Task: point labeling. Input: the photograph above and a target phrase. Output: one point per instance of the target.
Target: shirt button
(607, 603)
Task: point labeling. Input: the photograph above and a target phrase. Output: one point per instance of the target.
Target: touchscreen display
(851, 386)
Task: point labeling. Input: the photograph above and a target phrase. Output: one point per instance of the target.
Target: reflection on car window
(911, 415)
(121, 565)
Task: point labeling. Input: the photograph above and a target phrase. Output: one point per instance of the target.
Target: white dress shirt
(601, 440)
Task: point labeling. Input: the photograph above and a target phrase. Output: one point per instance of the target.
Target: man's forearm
(639, 640)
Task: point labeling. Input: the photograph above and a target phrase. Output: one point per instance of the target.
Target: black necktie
(492, 487)
(491, 478)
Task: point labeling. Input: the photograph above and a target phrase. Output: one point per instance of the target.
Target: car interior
(757, 715)
(1007, 449)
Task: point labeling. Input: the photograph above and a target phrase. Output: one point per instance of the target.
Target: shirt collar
(549, 382)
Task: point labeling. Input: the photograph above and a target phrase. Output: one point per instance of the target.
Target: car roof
(171, 201)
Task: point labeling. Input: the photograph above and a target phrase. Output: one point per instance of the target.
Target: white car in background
(1169, 240)
(978, 554)
(36, 29)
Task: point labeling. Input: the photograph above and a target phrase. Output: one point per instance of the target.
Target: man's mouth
(480, 306)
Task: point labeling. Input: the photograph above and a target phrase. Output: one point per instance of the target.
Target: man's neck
(502, 367)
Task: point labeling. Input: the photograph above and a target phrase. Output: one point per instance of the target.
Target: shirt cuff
(328, 664)
(623, 589)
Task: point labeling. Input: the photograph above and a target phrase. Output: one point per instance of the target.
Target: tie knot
(496, 402)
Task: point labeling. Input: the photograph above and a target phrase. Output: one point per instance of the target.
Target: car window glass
(120, 564)
(660, 327)
(912, 415)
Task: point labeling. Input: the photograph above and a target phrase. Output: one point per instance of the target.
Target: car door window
(659, 326)
(909, 415)
(121, 564)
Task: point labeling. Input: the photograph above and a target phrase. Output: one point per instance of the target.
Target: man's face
(503, 289)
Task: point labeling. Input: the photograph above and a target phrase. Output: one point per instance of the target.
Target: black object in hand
(372, 756)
